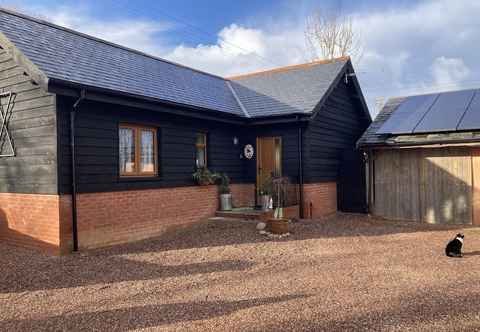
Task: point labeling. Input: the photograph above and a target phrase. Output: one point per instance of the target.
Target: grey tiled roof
(73, 57)
(67, 55)
(278, 92)
(370, 137)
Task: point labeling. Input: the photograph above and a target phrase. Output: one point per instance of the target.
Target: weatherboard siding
(33, 129)
(336, 128)
(97, 147)
(290, 154)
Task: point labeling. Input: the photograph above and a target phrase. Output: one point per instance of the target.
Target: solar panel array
(441, 112)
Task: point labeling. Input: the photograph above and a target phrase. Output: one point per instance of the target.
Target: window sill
(139, 178)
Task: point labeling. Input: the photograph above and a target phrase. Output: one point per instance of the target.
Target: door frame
(277, 161)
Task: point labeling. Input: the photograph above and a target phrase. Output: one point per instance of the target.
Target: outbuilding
(423, 156)
(139, 126)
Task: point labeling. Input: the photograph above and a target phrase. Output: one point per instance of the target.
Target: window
(201, 150)
(137, 150)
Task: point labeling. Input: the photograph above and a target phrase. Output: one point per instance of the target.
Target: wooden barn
(139, 126)
(423, 156)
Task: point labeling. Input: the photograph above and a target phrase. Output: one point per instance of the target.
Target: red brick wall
(320, 199)
(65, 210)
(243, 195)
(30, 220)
(126, 216)
(44, 221)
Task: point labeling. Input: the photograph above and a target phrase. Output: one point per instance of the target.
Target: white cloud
(427, 47)
(140, 34)
(240, 49)
(449, 70)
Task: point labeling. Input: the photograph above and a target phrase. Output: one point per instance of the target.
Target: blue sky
(211, 15)
(410, 47)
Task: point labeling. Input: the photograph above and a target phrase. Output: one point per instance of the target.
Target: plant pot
(278, 226)
(204, 183)
(225, 202)
(265, 202)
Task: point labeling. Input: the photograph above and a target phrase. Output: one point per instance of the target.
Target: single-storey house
(423, 157)
(139, 126)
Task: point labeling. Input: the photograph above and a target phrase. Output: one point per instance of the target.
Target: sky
(409, 47)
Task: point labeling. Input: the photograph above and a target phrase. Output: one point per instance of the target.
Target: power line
(199, 31)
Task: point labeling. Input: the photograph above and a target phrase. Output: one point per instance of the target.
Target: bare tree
(329, 35)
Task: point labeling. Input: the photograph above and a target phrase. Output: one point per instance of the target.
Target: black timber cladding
(338, 125)
(97, 147)
(33, 129)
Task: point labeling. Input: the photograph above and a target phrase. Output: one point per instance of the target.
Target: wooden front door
(269, 159)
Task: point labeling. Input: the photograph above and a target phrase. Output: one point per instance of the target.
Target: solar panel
(407, 115)
(446, 112)
(471, 119)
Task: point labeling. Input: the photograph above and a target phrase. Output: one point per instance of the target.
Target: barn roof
(64, 55)
(293, 89)
(424, 119)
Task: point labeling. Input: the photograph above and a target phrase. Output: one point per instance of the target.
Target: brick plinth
(30, 220)
(44, 221)
(320, 199)
(126, 216)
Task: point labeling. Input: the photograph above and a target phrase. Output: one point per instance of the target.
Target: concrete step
(245, 214)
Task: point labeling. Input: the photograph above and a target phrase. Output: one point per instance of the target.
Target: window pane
(127, 150)
(201, 154)
(201, 157)
(201, 138)
(147, 156)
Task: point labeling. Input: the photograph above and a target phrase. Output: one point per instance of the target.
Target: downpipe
(73, 113)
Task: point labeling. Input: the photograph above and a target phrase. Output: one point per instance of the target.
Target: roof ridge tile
(290, 67)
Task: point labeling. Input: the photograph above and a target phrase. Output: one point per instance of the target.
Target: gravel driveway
(346, 272)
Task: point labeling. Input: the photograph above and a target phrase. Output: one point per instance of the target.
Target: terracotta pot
(278, 226)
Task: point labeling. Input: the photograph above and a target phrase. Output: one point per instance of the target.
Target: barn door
(476, 186)
(351, 183)
(446, 186)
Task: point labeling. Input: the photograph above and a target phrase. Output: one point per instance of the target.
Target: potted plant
(278, 224)
(223, 182)
(265, 194)
(203, 176)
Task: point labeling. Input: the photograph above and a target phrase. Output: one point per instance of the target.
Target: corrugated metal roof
(70, 56)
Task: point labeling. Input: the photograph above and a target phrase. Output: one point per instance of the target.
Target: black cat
(454, 247)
